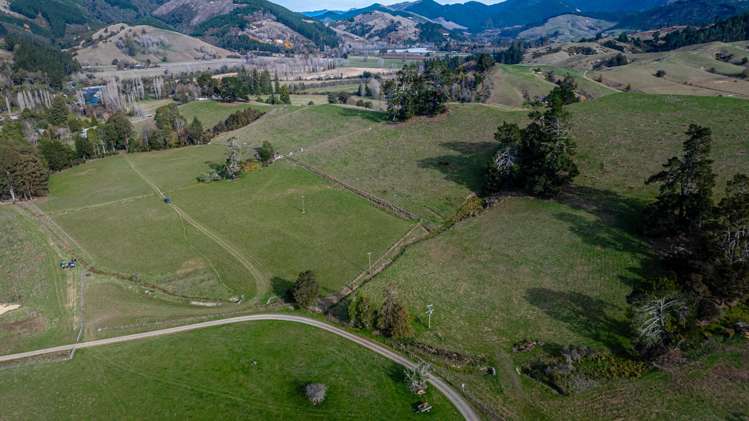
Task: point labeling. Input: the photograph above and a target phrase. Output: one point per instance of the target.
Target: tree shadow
(281, 287)
(586, 316)
(616, 226)
(467, 167)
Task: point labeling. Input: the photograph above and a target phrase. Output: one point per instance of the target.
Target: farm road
(261, 282)
(457, 400)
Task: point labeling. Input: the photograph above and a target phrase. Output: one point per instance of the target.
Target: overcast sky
(306, 5)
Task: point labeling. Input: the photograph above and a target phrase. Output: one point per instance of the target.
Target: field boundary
(379, 265)
(378, 202)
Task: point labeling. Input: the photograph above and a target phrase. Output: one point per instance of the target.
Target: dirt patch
(33, 324)
(7, 308)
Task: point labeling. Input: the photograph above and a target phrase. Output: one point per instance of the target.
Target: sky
(307, 5)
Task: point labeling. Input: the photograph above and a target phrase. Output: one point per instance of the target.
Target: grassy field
(624, 138)
(560, 271)
(692, 70)
(262, 215)
(377, 62)
(201, 374)
(211, 113)
(30, 277)
(514, 85)
(116, 218)
(428, 166)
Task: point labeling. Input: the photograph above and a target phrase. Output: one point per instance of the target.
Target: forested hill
(729, 30)
(223, 20)
(56, 18)
(685, 12)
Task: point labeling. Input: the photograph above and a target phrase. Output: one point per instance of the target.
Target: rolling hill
(241, 24)
(141, 44)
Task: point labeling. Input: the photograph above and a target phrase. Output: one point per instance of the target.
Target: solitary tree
(417, 377)
(306, 289)
(316, 393)
(265, 153)
(58, 113)
(393, 318)
(195, 132)
(118, 131)
(361, 312)
(284, 96)
(233, 165)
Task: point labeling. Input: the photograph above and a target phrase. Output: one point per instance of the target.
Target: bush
(306, 289)
(316, 393)
(660, 73)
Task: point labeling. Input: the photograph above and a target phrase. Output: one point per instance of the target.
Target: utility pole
(303, 209)
(430, 310)
(369, 256)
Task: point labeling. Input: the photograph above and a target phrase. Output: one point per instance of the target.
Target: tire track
(262, 284)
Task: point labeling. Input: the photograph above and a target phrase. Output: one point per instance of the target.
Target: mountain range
(242, 25)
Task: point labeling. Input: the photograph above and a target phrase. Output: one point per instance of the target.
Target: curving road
(462, 406)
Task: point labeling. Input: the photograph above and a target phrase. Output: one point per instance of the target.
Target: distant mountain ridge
(477, 16)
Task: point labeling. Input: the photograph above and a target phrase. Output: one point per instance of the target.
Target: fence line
(380, 203)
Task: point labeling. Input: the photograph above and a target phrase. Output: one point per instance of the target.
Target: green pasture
(212, 112)
(31, 278)
(140, 238)
(251, 371)
(289, 221)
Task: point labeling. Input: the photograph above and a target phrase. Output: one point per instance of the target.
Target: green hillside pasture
(253, 371)
(300, 100)
(146, 241)
(95, 182)
(262, 215)
(515, 85)
(211, 113)
(291, 129)
(687, 72)
(624, 138)
(526, 267)
(428, 165)
(115, 307)
(377, 62)
(589, 88)
(30, 277)
(178, 168)
(559, 271)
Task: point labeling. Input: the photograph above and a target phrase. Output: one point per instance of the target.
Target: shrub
(305, 289)
(316, 393)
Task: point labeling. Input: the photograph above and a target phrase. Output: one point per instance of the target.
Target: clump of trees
(306, 289)
(237, 120)
(539, 158)
(23, 171)
(708, 245)
(413, 93)
(245, 84)
(391, 319)
(170, 130)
